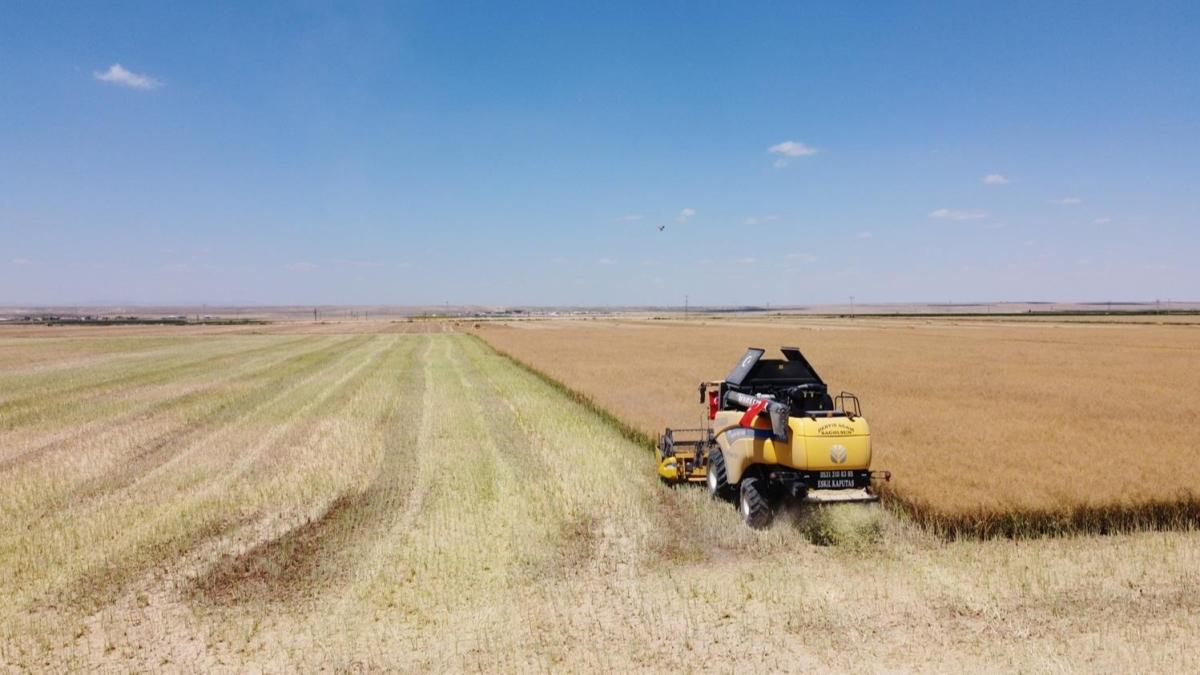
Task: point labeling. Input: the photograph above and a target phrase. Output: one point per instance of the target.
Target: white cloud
(863, 235)
(801, 257)
(789, 150)
(758, 220)
(1067, 201)
(630, 217)
(792, 149)
(1102, 221)
(23, 262)
(685, 215)
(746, 261)
(954, 214)
(995, 179)
(117, 75)
(301, 266)
(606, 261)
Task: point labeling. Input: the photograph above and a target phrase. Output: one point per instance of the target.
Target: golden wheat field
(987, 426)
(298, 498)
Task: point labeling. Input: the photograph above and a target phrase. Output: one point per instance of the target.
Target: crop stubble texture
(274, 502)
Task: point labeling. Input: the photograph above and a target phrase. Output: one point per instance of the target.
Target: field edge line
(628, 431)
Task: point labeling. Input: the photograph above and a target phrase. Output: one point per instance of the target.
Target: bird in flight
(661, 228)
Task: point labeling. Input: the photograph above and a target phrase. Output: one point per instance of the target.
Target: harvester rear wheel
(718, 477)
(753, 504)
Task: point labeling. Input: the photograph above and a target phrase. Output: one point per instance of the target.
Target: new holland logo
(837, 454)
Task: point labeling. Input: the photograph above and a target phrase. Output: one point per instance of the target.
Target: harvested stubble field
(181, 501)
(990, 427)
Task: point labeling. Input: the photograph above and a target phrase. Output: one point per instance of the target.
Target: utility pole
(852, 307)
(685, 306)
(314, 314)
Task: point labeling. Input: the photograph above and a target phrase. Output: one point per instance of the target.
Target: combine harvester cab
(775, 435)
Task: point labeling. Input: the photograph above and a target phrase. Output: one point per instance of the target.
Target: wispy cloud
(789, 150)
(1067, 201)
(23, 262)
(630, 217)
(801, 257)
(606, 261)
(746, 261)
(863, 235)
(363, 264)
(1102, 221)
(116, 74)
(559, 260)
(685, 215)
(301, 266)
(177, 267)
(995, 179)
(792, 149)
(956, 214)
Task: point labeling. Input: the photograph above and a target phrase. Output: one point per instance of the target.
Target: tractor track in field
(178, 441)
(678, 538)
(158, 449)
(30, 369)
(316, 552)
(177, 400)
(115, 580)
(15, 412)
(508, 444)
(112, 577)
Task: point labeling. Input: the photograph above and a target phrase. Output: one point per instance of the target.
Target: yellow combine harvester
(774, 434)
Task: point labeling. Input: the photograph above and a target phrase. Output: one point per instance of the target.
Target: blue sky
(409, 153)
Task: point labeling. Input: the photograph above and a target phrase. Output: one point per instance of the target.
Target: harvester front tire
(718, 477)
(753, 505)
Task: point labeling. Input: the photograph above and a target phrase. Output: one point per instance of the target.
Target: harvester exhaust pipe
(779, 412)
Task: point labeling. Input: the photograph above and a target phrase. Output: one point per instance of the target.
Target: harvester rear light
(712, 404)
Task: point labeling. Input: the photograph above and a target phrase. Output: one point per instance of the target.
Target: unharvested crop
(416, 502)
(988, 427)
